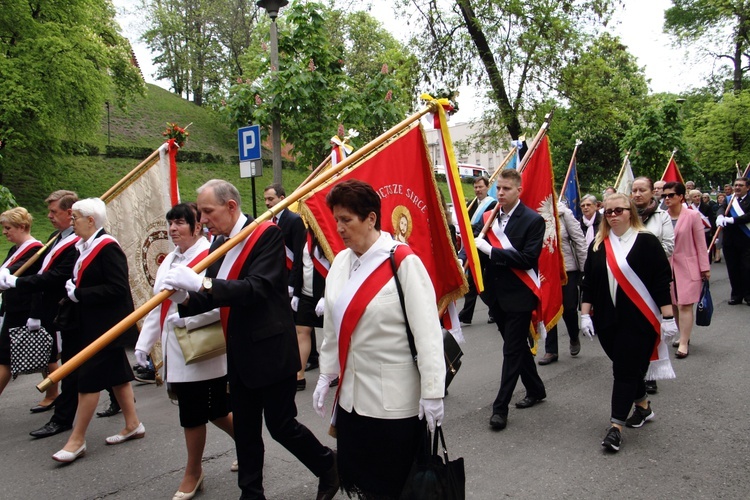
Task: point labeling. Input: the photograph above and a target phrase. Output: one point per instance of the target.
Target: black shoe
(490, 320)
(734, 302)
(144, 375)
(498, 422)
(547, 359)
(575, 346)
(312, 364)
(50, 429)
(328, 483)
(651, 387)
(301, 385)
(640, 416)
(113, 409)
(528, 402)
(613, 439)
(43, 408)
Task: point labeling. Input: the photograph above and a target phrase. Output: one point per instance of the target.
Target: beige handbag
(202, 343)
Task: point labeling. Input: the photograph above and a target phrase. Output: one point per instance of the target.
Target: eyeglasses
(615, 211)
(668, 195)
(73, 218)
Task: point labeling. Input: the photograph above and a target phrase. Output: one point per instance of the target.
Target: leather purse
(201, 343)
(67, 315)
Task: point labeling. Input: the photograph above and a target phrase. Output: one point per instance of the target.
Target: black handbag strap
(409, 335)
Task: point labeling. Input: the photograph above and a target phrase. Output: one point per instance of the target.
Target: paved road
(696, 447)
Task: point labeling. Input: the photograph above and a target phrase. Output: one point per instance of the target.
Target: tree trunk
(738, 66)
(509, 115)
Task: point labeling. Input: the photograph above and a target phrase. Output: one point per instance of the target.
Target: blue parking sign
(249, 143)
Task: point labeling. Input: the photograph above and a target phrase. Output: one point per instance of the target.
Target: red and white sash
(87, 255)
(358, 292)
(29, 244)
(319, 260)
(167, 302)
(233, 262)
(736, 210)
(61, 246)
(631, 284)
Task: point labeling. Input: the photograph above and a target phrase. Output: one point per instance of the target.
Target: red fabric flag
(672, 172)
(538, 194)
(411, 210)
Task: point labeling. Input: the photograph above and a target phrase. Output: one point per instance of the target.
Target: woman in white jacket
(201, 387)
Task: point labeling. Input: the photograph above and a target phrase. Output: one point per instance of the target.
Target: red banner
(538, 194)
(411, 210)
(672, 172)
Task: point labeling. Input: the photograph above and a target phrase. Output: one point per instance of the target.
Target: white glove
(183, 278)
(290, 289)
(295, 303)
(10, 281)
(720, 221)
(433, 411)
(141, 357)
(484, 246)
(587, 326)
(4, 272)
(321, 391)
(669, 328)
(176, 320)
(3, 282)
(71, 289)
(320, 307)
(728, 220)
(33, 324)
(179, 296)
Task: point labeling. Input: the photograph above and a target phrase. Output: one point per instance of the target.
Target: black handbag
(67, 315)
(432, 476)
(451, 350)
(29, 350)
(705, 307)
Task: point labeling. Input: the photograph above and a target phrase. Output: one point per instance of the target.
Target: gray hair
(223, 191)
(589, 197)
(92, 207)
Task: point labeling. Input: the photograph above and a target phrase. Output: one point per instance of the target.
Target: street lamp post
(273, 7)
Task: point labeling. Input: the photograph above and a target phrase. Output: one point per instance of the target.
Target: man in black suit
(249, 284)
(736, 243)
(510, 299)
(48, 287)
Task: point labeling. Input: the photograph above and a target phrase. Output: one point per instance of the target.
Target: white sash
(736, 211)
(231, 256)
(631, 276)
(481, 208)
(507, 245)
(61, 245)
(19, 251)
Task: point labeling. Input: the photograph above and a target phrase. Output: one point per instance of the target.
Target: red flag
(538, 194)
(672, 172)
(411, 210)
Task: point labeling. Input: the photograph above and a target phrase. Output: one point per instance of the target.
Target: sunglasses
(615, 211)
(668, 195)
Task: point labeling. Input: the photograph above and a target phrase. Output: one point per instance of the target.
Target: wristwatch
(208, 284)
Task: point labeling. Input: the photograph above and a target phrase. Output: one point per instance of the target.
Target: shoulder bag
(202, 343)
(434, 477)
(705, 307)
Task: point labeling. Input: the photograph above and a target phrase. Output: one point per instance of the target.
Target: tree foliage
(59, 62)
(719, 28)
(323, 80)
(515, 46)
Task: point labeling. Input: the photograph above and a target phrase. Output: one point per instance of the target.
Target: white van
(465, 170)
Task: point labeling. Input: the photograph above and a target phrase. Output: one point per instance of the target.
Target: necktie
(275, 219)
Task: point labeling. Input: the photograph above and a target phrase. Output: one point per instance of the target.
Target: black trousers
(630, 350)
(66, 403)
(737, 256)
(276, 402)
(470, 301)
(570, 313)
(517, 358)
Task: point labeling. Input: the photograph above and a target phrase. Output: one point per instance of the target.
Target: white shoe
(181, 495)
(136, 433)
(70, 456)
(235, 466)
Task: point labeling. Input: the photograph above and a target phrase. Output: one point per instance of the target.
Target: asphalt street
(696, 447)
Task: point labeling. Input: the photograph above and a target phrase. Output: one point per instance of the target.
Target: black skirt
(374, 454)
(107, 368)
(306, 313)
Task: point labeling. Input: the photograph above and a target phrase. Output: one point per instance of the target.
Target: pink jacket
(689, 259)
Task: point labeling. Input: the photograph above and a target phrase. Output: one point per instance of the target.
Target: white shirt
(626, 243)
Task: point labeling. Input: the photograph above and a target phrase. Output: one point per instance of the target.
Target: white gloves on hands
(724, 221)
(321, 391)
(320, 307)
(183, 278)
(8, 281)
(3, 283)
(433, 411)
(669, 327)
(587, 326)
(71, 289)
(176, 320)
(33, 324)
(290, 289)
(484, 246)
(295, 303)
(141, 357)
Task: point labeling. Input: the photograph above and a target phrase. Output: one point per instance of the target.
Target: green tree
(312, 92)
(514, 46)
(58, 64)
(719, 28)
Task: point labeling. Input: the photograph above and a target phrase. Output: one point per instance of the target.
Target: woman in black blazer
(100, 293)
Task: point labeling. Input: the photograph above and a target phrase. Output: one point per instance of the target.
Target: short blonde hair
(17, 217)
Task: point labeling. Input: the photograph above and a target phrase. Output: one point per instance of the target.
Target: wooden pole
(570, 167)
(670, 161)
(718, 229)
(34, 257)
(622, 169)
(316, 171)
(145, 164)
(109, 336)
(497, 171)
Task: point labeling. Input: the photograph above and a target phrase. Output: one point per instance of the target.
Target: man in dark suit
(249, 284)
(510, 299)
(736, 243)
(48, 287)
